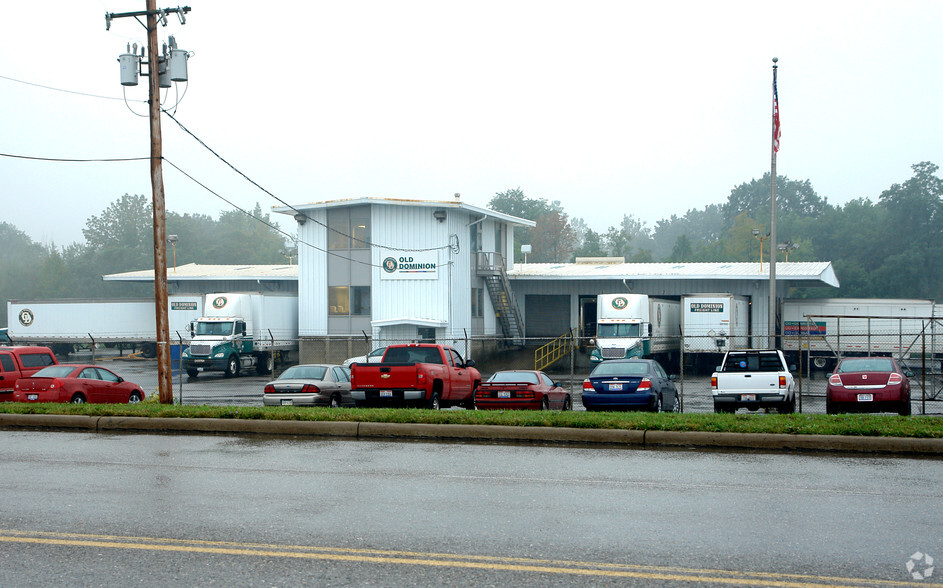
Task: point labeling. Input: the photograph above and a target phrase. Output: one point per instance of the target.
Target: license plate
(386, 394)
(32, 396)
(615, 387)
(287, 402)
(865, 397)
(747, 397)
(504, 394)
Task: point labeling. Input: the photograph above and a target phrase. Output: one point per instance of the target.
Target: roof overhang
(409, 321)
(195, 272)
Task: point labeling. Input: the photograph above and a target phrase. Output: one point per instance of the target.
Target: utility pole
(164, 368)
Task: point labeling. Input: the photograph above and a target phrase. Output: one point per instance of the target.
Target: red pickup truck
(21, 362)
(422, 374)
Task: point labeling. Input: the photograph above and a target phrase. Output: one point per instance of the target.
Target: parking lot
(215, 389)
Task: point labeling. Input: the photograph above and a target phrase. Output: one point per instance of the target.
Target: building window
(478, 302)
(348, 300)
(426, 334)
(360, 300)
(348, 228)
(360, 227)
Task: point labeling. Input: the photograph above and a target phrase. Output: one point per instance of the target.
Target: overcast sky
(610, 107)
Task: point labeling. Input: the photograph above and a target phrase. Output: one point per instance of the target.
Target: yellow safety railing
(546, 355)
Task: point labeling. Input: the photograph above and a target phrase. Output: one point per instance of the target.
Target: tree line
(886, 248)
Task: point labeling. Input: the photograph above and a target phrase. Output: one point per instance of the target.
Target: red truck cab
(21, 362)
(417, 374)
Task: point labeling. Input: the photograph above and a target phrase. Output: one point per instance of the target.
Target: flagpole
(772, 213)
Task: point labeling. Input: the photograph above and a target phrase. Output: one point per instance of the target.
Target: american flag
(777, 132)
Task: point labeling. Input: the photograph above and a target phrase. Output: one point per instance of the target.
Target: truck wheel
(788, 406)
(435, 402)
(232, 367)
(149, 349)
(264, 364)
(192, 372)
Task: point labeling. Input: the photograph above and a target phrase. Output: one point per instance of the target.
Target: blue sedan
(630, 384)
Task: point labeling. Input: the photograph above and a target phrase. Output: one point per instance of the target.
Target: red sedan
(868, 384)
(77, 384)
(522, 389)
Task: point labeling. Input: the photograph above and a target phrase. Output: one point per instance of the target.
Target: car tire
(545, 403)
(78, 399)
(335, 401)
(658, 405)
(567, 403)
(232, 367)
(192, 372)
(905, 409)
(676, 407)
(135, 397)
(435, 402)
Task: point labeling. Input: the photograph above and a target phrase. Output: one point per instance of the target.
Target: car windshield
(304, 372)
(621, 368)
(866, 364)
(506, 377)
(55, 371)
(604, 330)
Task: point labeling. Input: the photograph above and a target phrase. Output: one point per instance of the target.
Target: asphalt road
(158, 510)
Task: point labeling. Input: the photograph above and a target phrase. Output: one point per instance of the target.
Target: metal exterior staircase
(490, 266)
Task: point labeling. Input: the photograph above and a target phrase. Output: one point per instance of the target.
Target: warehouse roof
(195, 271)
(820, 272)
(406, 202)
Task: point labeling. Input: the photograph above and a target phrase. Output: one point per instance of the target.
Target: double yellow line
(482, 562)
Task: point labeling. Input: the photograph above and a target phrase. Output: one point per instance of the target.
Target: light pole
(787, 247)
(172, 239)
(761, 239)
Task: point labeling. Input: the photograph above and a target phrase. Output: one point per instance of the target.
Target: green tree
(515, 203)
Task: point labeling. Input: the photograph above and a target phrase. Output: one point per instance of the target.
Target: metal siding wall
(312, 275)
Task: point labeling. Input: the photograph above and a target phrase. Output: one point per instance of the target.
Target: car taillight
(310, 389)
(894, 379)
(782, 381)
(587, 385)
(270, 389)
(714, 382)
(835, 380)
(645, 384)
(525, 394)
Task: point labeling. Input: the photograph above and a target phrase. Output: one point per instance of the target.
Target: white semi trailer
(829, 328)
(63, 323)
(712, 325)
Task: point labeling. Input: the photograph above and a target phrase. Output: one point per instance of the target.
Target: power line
(68, 160)
(68, 91)
(254, 183)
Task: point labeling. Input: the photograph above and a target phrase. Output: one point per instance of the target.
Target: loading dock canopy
(796, 273)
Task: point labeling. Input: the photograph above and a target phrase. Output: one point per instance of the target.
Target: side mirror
(120, 379)
(719, 368)
(909, 374)
(792, 368)
(672, 377)
(192, 329)
(469, 363)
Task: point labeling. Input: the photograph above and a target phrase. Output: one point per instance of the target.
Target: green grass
(802, 424)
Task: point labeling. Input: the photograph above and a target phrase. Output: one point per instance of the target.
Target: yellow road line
(444, 560)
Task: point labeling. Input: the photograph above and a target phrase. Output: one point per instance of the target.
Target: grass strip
(868, 425)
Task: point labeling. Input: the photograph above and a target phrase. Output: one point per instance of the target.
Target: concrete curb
(489, 433)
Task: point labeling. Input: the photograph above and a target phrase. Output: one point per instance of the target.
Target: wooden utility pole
(164, 374)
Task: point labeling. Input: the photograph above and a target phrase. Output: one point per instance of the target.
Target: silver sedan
(310, 385)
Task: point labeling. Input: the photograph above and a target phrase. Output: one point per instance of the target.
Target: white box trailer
(63, 323)
(715, 323)
(828, 328)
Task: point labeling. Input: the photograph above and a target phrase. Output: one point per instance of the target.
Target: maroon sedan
(868, 384)
(527, 389)
(77, 384)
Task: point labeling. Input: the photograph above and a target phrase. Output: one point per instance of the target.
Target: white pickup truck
(753, 379)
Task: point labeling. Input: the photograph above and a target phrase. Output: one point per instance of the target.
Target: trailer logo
(620, 303)
(26, 317)
(219, 302)
(707, 307)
